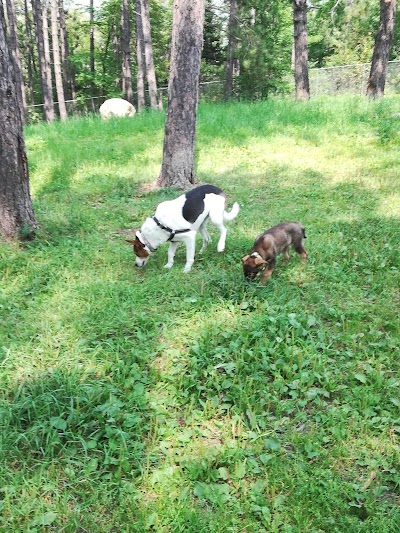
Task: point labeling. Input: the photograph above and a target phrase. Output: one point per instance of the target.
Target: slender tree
(68, 67)
(140, 58)
(232, 44)
(116, 51)
(16, 211)
(91, 44)
(148, 53)
(46, 40)
(42, 41)
(30, 63)
(14, 46)
(383, 43)
(57, 61)
(115, 43)
(183, 93)
(126, 51)
(301, 50)
(63, 52)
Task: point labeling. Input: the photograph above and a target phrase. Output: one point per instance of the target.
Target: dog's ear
(244, 259)
(135, 242)
(259, 261)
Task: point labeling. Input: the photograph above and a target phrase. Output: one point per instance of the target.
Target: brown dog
(267, 246)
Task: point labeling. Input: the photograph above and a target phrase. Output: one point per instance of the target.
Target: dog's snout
(250, 276)
(140, 262)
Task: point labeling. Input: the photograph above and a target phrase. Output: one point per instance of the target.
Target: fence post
(160, 99)
(362, 80)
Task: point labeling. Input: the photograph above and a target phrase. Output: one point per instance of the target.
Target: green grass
(135, 400)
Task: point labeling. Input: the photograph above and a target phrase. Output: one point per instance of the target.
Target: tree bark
(30, 59)
(16, 211)
(14, 46)
(68, 67)
(42, 40)
(57, 61)
(383, 43)
(63, 52)
(115, 51)
(140, 58)
(301, 50)
(148, 52)
(126, 51)
(91, 45)
(115, 44)
(46, 39)
(232, 45)
(177, 168)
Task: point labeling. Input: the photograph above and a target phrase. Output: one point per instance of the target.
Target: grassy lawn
(135, 400)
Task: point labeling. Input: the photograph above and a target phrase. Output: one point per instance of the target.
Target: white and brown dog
(179, 220)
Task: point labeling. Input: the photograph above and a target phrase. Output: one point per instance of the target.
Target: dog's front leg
(190, 242)
(171, 254)
(267, 272)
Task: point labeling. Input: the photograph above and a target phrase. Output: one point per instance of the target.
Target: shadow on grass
(73, 442)
(281, 354)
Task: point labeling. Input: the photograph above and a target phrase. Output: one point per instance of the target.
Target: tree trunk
(115, 51)
(301, 50)
(57, 61)
(148, 52)
(140, 58)
(64, 48)
(16, 212)
(126, 51)
(30, 58)
(91, 53)
(183, 93)
(383, 43)
(232, 45)
(47, 46)
(42, 39)
(14, 47)
(63, 52)
(68, 67)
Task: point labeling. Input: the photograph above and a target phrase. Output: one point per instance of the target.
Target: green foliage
(342, 33)
(264, 51)
(213, 55)
(338, 33)
(137, 400)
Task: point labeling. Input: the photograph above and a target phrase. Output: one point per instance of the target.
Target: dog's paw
(187, 269)
(168, 265)
(220, 248)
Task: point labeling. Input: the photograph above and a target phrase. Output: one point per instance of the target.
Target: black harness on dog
(172, 232)
(146, 243)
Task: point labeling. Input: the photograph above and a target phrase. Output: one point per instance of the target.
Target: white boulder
(116, 107)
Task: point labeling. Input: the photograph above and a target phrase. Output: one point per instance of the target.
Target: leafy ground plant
(140, 400)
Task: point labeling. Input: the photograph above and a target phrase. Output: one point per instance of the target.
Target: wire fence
(209, 90)
(344, 79)
(351, 79)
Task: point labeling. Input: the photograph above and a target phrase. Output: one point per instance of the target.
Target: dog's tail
(233, 213)
(304, 232)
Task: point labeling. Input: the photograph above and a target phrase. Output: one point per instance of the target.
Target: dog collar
(259, 256)
(145, 242)
(172, 232)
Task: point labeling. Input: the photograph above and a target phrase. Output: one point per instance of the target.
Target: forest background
(339, 33)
